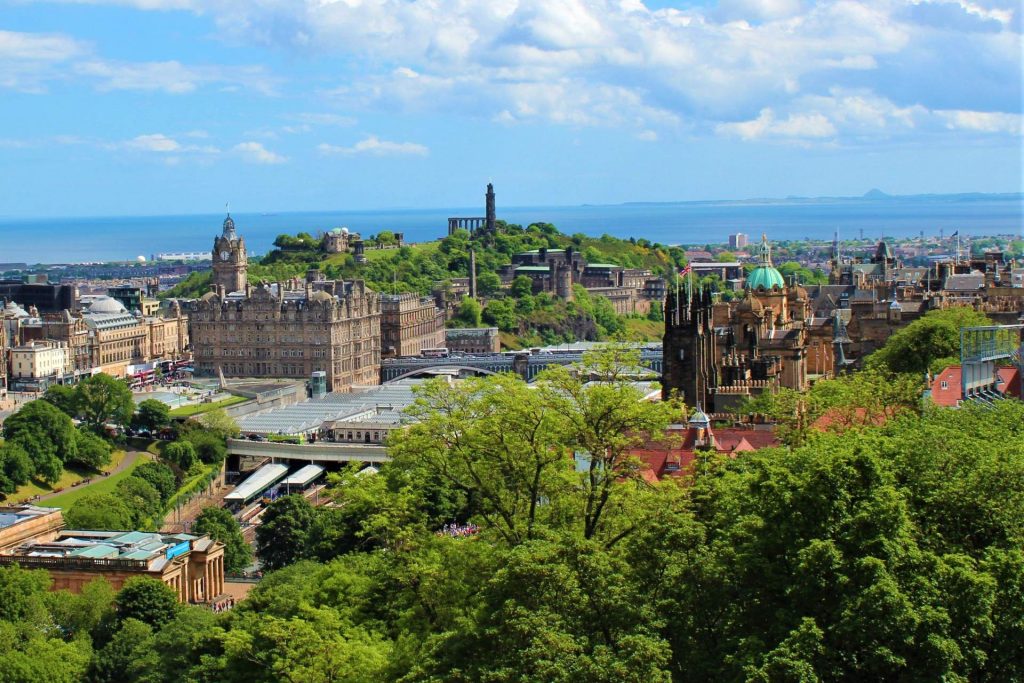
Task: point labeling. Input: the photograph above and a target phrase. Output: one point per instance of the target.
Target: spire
(765, 251)
(229, 228)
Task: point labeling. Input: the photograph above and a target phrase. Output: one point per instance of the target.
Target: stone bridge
(525, 364)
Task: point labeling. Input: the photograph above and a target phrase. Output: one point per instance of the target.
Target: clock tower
(229, 260)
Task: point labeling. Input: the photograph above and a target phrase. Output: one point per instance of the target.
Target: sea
(123, 238)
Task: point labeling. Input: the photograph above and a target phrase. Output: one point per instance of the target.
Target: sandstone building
(409, 323)
(284, 329)
(32, 537)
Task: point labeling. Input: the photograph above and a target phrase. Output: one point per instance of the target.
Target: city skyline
(150, 107)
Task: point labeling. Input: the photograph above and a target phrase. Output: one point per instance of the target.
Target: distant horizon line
(871, 195)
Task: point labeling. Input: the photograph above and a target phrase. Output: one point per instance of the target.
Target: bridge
(312, 452)
(524, 363)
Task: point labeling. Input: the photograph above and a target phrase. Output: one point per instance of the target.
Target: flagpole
(677, 298)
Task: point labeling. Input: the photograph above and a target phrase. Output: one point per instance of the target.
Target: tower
(472, 273)
(229, 259)
(490, 209)
(689, 348)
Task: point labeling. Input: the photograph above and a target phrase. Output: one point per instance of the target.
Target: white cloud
(324, 119)
(157, 142)
(172, 77)
(982, 121)
(374, 146)
(813, 125)
(29, 61)
(822, 69)
(256, 153)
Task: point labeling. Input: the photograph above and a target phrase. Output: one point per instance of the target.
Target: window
(944, 384)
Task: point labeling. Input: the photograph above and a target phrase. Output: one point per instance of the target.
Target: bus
(435, 353)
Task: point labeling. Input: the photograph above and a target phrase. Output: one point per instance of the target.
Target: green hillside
(530, 319)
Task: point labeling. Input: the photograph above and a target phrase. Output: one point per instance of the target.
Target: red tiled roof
(674, 455)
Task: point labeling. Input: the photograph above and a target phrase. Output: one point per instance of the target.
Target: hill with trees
(527, 319)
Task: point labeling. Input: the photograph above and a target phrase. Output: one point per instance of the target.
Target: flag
(955, 233)
(686, 270)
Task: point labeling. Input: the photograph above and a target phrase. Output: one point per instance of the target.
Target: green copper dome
(765, 275)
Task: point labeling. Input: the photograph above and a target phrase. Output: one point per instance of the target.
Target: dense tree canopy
(46, 434)
(103, 399)
(222, 526)
(106, 511)
(933, 337)
(152, 415)
(512, 538)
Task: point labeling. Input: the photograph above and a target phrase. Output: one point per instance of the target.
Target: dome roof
(765, 276)
(106, 304)
(14, 310)
(699, 419)
(229, 228)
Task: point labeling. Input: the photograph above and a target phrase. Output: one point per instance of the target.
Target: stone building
(37, 364)
(631, 291)
(285, 329)
(32, 537)
(339, 240)
(472, 340)
(409, 323)
(719, 353)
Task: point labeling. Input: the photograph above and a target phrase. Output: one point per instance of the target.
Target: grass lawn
(200, 408)
(67, 478)
(66, 499)
(647, 330)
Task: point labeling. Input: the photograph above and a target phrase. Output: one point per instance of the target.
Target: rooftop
(144, 549)
(310, 414)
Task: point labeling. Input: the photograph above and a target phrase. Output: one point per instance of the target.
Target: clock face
(224, 255)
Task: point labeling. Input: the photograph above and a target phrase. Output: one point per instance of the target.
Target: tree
(469, 313)
(128, 654)
(488, 282)
(221, 525)
(82, 613)
(511, 447)
(502, 314)
(142, 499)
(148, 600)
(63, 397)
(103, 399)
(182, 453)
(152, 415)
(283, 536)
(47, 435)
(160, 476)
(102, 511)
(220, 423)
(15, 466)
(91, 451)
(934, 335)
(208, 446)
(522, 286)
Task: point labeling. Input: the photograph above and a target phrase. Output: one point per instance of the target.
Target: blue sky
(115, 107)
